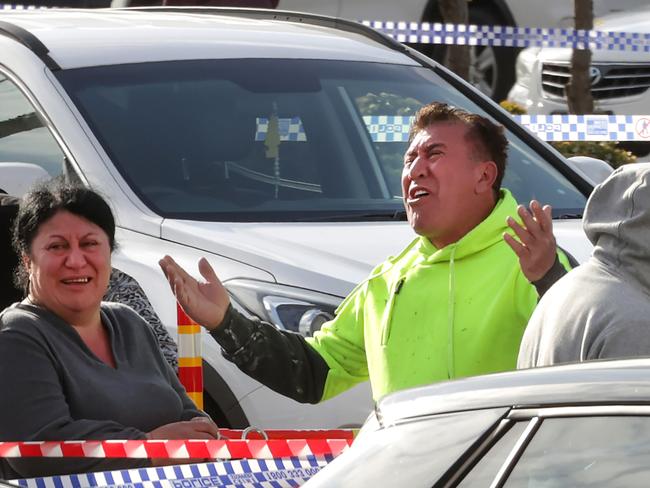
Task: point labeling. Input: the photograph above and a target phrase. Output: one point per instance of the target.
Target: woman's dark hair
(45, 200)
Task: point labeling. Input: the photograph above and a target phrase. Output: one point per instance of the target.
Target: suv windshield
(277, 139)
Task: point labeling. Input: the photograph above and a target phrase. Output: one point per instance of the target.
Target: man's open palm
(536, 247)
(205, 302)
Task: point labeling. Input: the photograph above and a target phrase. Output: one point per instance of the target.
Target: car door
(592, 446)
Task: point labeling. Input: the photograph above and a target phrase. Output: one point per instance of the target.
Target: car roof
(81, 38)
(596, 382)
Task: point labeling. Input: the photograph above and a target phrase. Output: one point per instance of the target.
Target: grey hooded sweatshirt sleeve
(602, 308)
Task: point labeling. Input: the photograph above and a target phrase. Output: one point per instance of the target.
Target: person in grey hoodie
(601, 309)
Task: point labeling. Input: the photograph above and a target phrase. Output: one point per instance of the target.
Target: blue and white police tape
(508, 36)
(259, 473)
(388, 128)
(492, 35)
(13, 6)
(290, 129)
(382, 128)
(395, 128)
(546, 127)
(588, 127)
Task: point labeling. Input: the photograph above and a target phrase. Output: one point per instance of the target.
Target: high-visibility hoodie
(423, 316)
(432, 314)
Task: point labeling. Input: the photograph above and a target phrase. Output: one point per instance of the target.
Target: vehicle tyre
(212, 408)
(492, 69)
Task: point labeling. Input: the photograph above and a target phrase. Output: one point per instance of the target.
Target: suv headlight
(294, 309)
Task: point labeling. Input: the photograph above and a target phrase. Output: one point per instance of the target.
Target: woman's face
(69, 266)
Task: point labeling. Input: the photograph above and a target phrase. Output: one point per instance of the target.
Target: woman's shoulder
(22, 321)
(124, 318)
(21, 315)
(120, 313)
(116, 308)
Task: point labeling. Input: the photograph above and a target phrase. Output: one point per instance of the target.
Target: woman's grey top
(54, 388)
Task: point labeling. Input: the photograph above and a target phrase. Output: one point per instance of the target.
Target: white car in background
(492, 69)
(620, 80)
(272, 145)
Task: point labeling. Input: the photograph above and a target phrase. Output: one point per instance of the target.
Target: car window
(586, 452)
(484, 472)
(23, 136)
(418, 452)
(277, 139)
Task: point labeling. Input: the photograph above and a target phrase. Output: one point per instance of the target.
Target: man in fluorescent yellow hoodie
(454, 303)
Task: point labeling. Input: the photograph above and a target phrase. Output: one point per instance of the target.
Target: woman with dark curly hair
(72, 366)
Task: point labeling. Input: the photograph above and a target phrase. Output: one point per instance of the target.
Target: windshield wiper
(569, 216)
(398, 215)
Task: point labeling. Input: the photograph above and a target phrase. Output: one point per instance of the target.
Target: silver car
(584, 425)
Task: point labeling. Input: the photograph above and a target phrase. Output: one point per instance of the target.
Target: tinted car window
(488, 466)
(274, 139)
(418, 452)
(23, 136)
(586, 452)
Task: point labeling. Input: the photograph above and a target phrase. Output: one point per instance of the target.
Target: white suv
(270, 143)
(620, 80)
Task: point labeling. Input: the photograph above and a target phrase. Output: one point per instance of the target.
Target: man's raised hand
(205, 302)
(536, 247)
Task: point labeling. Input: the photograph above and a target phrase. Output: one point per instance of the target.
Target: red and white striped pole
(190, 366)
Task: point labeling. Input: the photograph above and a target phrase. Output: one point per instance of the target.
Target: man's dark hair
(489, 142)
(44, 201)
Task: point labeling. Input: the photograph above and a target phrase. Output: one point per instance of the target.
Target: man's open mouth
(417, 193)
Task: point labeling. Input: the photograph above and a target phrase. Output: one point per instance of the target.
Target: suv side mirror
(17, 178)
(595, 170)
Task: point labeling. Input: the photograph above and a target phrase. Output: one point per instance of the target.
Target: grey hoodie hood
(617, 222)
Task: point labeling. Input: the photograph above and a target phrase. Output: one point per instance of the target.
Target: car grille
(608, 80)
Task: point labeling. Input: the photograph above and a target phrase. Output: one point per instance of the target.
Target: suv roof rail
(30, 41)
(284, 15)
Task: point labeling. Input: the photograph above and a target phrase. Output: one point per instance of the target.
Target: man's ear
(486, 176)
